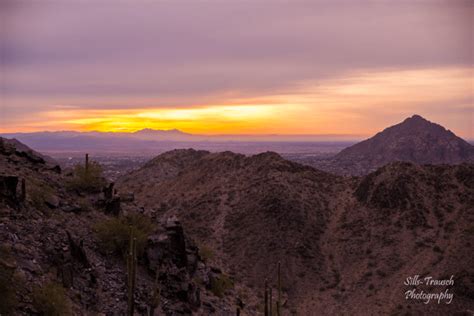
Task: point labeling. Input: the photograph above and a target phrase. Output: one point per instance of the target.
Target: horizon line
(186, 133)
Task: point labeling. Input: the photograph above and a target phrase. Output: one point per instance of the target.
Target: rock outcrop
(181, 272)
(8, 188)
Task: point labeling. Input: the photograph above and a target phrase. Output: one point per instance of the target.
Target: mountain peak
(416, 119)
(158, 131)
(415, 140)
(161, 134)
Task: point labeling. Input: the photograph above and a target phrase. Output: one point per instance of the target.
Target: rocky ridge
(345, 244)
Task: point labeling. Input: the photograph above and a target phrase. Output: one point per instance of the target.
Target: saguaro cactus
(87, 163)
(155, 298)
(279, 290)
(23, 190)
(271, 302)
(131, 271)
(265, 309)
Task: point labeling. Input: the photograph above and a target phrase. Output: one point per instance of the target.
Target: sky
(236, 66)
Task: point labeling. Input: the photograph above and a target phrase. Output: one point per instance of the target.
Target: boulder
(78, 253)
(177, 243)
(52, 201)
(74, 208)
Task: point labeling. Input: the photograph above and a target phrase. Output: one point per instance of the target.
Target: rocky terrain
(346, 245)
(415, 140)
(54, 259)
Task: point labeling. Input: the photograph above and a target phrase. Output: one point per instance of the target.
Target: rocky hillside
(63, 250)
(32, 155)
(414, 140)
(346, 245)
(210, 229)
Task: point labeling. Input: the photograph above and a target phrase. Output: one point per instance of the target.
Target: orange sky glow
(360, 103)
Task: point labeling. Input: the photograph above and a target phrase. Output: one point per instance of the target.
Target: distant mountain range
(414, 140)
(152, 142)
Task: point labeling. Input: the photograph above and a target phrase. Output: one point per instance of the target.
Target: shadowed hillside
(64, 248)
(346, 245)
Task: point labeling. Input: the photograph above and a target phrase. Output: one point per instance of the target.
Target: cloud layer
(73, 56)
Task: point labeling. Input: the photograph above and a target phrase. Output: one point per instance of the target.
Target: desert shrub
(114, 233)
(87, 180)
(7, 282)
(206, 253)
(219, 285)
(38, 193)
(51, 300)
